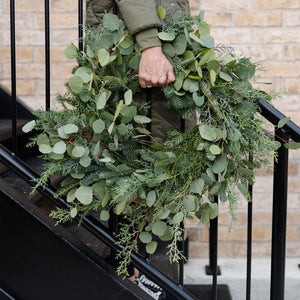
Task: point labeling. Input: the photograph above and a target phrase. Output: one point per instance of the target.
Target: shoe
(151, 288)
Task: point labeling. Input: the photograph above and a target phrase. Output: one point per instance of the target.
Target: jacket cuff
(148, 38)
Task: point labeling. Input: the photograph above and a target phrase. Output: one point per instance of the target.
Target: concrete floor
(233, 273)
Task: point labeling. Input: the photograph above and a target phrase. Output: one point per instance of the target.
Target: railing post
(47, 54)
(13, 77)
(213, 268)
(280, 185)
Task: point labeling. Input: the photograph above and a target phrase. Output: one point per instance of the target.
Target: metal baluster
(80, 25)
(181, 244)
(249, 245)
(13, 77)
(280, 185)
(47, 54)
(214, 249)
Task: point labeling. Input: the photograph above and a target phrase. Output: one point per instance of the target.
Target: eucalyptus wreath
(99, 142)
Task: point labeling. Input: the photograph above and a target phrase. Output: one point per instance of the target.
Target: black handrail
(273, 115)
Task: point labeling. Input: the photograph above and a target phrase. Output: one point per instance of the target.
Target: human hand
(155, 69)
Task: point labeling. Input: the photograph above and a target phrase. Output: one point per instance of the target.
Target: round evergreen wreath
(99, 142)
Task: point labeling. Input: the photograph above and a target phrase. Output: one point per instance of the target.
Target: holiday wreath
(99, 142)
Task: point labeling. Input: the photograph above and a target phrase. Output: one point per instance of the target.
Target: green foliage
(99, 143)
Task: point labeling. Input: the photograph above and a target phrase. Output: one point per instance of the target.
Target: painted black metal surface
(37, 264)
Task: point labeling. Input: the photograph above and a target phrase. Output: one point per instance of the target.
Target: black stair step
(37, 264)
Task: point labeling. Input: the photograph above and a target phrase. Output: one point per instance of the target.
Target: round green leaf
(119, 207)
(198, 100)
(197, 186)
(178, 217)
(151, 197)
(77, 175)
(42, 139)
(59, 148)
(84, 73)
(213, 210)
(101, 101)
(207, 132)
(103, 57)
(76, 84)
(84, 194)
(215, 149)
(219, 164)
(28, 126)
(71, 51)
(180, 44)
(62, 133)
(145, 237)
(151, 247)
(71, 195)
(73, 212)
(98, 126)
(45, 149)
(159, 228)
(166, 36)
(70, 128)
(78, 151)
(104, 215)
(85, 161)
(164, 213)
(190, 85)
(189, 202)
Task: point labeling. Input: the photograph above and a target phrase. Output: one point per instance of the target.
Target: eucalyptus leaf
(166, 36)
(70, 128)
(84, 194)
(73, 212)
(282, 122)
(101, 101)
(189, 202)
(98, 126)
(198, 100)
(76, 84)
(85, 161)
(45, 148)
(145, 237)
(104, 215)
(151, 197)
(28, 126)
(103, 57)
(59, 148)
(219, 164)
(71, 51)
(78, 151)
(128, 97)
(141, 119)
(178, 217)
(159, 228)
(151, 247)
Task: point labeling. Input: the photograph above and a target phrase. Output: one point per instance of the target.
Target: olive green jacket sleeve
(141, 20)
(140, 17)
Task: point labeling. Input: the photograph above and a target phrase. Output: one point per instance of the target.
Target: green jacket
(140, 16)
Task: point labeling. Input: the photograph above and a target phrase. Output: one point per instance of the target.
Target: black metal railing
(289, 132)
